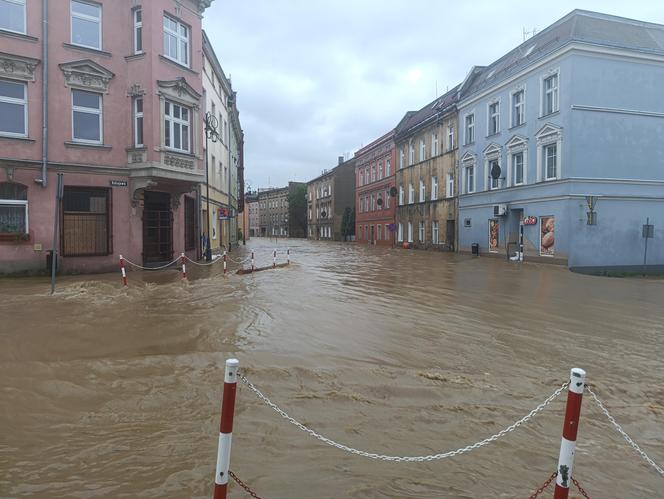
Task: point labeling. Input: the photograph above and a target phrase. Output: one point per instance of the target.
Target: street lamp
(211, 125)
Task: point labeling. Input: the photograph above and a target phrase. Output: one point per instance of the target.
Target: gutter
(44, 175)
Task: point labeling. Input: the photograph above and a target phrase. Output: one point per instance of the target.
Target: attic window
(529, 50)
(491, 73)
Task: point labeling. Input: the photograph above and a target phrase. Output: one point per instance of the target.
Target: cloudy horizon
(317, 80)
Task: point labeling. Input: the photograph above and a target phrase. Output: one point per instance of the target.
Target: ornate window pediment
(179, 90)
(492, 149)
(86, 75)
(517, 142)
(17, 67)
(549, 133)
(469, 157)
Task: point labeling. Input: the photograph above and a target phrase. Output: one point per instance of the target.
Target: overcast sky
(320, 78)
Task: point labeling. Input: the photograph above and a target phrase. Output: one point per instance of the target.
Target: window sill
(12, 137)
(177, 64)
(469, 144)
(516, 126)
(83, 145)
(134, 57)
(136, 149)
(89, 50)
(545, 116)
(492, 135)
(177, 151)
(12, 237)
(19, 36)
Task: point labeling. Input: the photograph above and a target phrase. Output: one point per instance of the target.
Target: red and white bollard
(184, 268)
(124, 272)
(274, 259)
(288, 256)
(577, 383)
(253, 266)
(225, 262)
(226, 430)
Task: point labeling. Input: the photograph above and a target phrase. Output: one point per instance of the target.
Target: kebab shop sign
(530, 220)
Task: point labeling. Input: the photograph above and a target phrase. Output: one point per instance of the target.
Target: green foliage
(297, 208)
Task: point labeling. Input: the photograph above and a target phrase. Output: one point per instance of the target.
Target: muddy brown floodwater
(112, 392)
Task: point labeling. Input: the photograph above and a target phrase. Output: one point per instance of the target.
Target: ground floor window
(400, 232)
(379, 233)
(410, 232)
(189, 223)
(85, 222)
(421, 232)
(434, 232)
(13, 208)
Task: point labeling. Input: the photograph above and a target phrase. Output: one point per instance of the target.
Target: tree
(348, 223)
(297, 211)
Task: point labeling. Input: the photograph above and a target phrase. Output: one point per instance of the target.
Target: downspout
(44, 175)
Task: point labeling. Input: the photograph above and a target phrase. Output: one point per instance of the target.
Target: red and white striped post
(124, 272)
(253, 266)
(226, 429)
(577, 383)
(184, 268)
(288, 256)
(274, 259)
(225, 262)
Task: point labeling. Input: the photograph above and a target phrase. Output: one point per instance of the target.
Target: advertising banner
(494, 234)
(547, 236)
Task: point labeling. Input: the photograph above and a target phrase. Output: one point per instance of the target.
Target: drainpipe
(44, 176)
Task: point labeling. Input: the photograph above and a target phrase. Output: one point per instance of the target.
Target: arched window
(13, 208)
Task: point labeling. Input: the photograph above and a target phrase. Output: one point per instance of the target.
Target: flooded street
(112, 392)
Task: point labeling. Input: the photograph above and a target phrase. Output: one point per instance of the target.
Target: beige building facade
(426, 180)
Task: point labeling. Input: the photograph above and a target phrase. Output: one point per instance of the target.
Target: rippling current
(112, 392)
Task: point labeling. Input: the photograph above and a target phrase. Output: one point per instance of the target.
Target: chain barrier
(543, 487)
(151, 268)
(206, 264)
(399, 459)
(243, 485)
(627, 438)
(578, 486)
(240, 262)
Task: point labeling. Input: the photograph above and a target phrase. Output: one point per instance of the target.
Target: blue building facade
(569, 122)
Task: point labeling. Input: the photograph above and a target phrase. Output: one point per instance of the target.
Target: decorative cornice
(18, 67)
(135, 90)
(86, 75)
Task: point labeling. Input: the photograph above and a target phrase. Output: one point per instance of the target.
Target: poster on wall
(494, 230)
(547, 236)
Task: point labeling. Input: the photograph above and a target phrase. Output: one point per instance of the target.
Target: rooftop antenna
(529, 34)
(436, 89)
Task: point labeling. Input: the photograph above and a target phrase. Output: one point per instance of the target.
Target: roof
(331, 171)
(577, 26)
(415, 119)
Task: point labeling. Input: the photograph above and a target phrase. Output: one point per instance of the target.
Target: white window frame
(179, 38)
(388, 167)
(84, 17)
(435, 235)
(469, 129)
(434, 144)
(401, 158)
(411, 193)
(410, 232)
(421, 232)
(423, 191)
(434, 188)
(139, 115)
(411, 153)
(25, 21)
(543, 92)
(512, 158)
(138, 28)
(88, 110)
(470, 187)
(545, 161)
(380, 170)
(400, 232)
(14, 203)
(549, 135)
(449, 186)
(450, 137)
(513, 106)
(423, 150)
(490, 118)
(401, 195)
(23, 102)
(173, 120)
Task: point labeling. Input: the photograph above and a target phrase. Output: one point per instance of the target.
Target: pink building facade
(124, 127)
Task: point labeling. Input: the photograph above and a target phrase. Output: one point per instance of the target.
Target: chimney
(341, 159)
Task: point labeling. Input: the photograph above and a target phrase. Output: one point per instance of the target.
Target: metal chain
(215, 260)
(627, 438)
(151, 268)
(544, 485)
(583, 492)
(243, 485)
(400, 459)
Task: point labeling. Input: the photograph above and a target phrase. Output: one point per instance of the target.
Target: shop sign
(530, 220)
(118, 183)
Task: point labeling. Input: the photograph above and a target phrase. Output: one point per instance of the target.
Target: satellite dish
(323, 214)
(379, 201)
(393, 191)
(495, 171)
